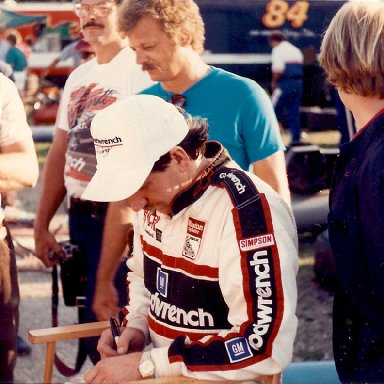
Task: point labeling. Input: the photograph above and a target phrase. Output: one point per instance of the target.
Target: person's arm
(274, 172)
(116, 229)
(262, 141)
(18, 161)
(122, 365)
(18, 166)
(51, 196)
(258, 283)
(53, 64)
(116, 369)
(64, 55)
(275, 79)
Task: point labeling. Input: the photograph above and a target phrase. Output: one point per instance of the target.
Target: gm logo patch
(238, 349)
(162, 282)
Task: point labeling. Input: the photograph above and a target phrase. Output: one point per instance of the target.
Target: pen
(115, 330)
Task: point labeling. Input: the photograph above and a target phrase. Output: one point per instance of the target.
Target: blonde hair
(178, 18)
(352, 50)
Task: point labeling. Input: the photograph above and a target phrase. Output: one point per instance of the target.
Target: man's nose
(140, 57)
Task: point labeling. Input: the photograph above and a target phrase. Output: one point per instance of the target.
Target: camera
(68, 250)
(73, 272)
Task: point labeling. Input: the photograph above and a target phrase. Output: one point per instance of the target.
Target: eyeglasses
(178, 100)
(84, 10)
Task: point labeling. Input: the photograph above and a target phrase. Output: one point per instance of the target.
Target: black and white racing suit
(214, 286)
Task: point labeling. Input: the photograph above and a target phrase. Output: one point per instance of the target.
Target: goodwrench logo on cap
(103, 146)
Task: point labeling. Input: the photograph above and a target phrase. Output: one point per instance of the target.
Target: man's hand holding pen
(124, 342)
(119, 341)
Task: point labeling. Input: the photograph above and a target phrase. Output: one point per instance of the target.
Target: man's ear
(180, 157)
(185, 39)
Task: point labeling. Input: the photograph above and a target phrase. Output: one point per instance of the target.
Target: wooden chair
(50, 336)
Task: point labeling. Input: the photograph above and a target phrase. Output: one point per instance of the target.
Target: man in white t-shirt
(113, 74)
(287, 82)
(18, 169)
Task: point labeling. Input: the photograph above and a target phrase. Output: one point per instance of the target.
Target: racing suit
(213, 286)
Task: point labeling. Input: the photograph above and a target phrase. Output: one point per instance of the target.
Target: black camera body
(73, 273)
(68, 250)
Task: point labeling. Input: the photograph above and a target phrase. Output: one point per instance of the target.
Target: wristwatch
(146, 366)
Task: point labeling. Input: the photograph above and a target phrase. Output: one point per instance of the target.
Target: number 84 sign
(277, 12)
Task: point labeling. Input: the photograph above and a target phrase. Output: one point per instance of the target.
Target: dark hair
(193, 144)
(12, 39)
(277, 36)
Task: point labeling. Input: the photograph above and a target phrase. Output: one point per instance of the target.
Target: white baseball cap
(130, 135)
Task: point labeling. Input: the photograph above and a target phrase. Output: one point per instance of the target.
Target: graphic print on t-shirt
(83, 105)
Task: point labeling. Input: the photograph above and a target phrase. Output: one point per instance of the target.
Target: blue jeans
(87, 231)
(290, 100)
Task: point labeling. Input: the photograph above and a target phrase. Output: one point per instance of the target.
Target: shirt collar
(217, 156)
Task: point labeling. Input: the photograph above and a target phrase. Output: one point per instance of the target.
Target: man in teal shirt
(168, 38)
(17, 60)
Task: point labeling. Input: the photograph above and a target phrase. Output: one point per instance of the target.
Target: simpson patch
(257, 242)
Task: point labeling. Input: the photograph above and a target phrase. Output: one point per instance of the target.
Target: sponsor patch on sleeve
(257, 242)
(238, 349)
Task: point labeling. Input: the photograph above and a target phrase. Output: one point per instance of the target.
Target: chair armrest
(67, 332)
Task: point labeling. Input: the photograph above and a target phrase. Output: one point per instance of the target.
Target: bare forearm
(14, 177)
(53, 64)
(18, 167)
(117, 225)
(275, 78)
(273, 171)
(52, 190)
(114, 243)
(51, 196)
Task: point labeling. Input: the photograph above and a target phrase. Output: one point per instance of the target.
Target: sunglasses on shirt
(178, 100)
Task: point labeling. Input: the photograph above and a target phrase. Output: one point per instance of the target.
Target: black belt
(87, 207)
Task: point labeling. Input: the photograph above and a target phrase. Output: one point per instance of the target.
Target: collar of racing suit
(218, 156)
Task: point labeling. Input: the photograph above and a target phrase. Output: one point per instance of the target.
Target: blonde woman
(352, 55)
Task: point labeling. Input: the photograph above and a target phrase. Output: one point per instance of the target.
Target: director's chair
(50, 336)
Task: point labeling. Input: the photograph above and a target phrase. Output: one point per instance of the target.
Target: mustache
(147, 66)
(93, 24)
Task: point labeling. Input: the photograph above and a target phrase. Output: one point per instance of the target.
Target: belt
(87, 207)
